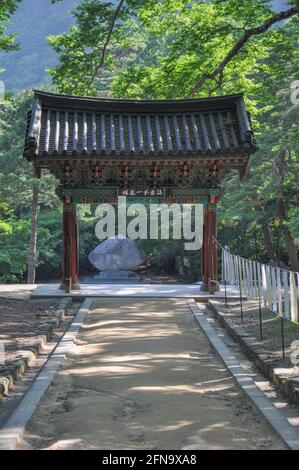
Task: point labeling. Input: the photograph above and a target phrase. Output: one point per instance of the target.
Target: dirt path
(143, 376)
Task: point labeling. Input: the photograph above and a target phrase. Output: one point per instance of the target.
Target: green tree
(171, 48)
(176, 49)
(18, 187)
(269, 195)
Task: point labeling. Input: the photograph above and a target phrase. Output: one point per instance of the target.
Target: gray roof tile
(60, 124)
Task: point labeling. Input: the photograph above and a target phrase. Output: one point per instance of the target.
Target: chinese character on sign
(142, 192)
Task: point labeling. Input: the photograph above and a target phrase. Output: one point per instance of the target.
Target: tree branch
(111, 27)
(241, 43)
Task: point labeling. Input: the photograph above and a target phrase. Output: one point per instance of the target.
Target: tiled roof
(67, 125)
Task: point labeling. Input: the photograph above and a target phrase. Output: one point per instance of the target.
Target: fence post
(260, 303)
(240, 289)
(225, 274)
(282, 338)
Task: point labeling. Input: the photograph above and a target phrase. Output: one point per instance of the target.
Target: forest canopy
(170, 49)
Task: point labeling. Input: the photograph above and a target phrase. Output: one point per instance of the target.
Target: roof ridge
(41, 93)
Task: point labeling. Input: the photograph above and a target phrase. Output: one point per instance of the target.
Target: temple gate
(99, 149)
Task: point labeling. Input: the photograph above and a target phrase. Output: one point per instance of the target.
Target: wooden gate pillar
(70, 263)
(205, 253)
(209, 248)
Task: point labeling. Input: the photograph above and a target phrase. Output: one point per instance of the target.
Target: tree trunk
(265, 229)
(268, 242)
(33, 236)
(291, 246)
(287, 235)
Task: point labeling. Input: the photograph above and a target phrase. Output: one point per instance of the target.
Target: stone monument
(115, 258)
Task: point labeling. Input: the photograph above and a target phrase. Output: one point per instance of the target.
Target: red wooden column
(209, 249)
(69, 279)
(205, 253)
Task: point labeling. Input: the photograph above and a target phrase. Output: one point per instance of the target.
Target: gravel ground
(142, 375)
(21, 325)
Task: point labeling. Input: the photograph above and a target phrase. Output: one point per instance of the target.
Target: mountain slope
(33, 22)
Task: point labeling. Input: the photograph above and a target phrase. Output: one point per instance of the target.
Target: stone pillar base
(212, 287)
(204, 287)
(64, 286)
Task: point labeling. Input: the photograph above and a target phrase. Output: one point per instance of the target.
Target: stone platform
(133, 290)
(114, 277)
(17, 291)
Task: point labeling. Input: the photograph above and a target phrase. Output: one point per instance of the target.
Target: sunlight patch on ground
(185, 388)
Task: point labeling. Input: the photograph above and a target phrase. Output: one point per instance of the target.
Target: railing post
(282, 338)
(240, 289)
(259, 300)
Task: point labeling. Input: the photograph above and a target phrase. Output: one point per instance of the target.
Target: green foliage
(7, 41)
(81, 47)
(191, 40)
(277, 129)
(16, 174)
(13, 250)
(162, 50)
(16, 183)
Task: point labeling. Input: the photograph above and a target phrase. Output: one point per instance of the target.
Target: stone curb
(288, 386)
(272, 415)
(27, 356)
(4, 297)
(14, 428)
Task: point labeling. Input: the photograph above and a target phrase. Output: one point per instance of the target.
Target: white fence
(277, 289)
